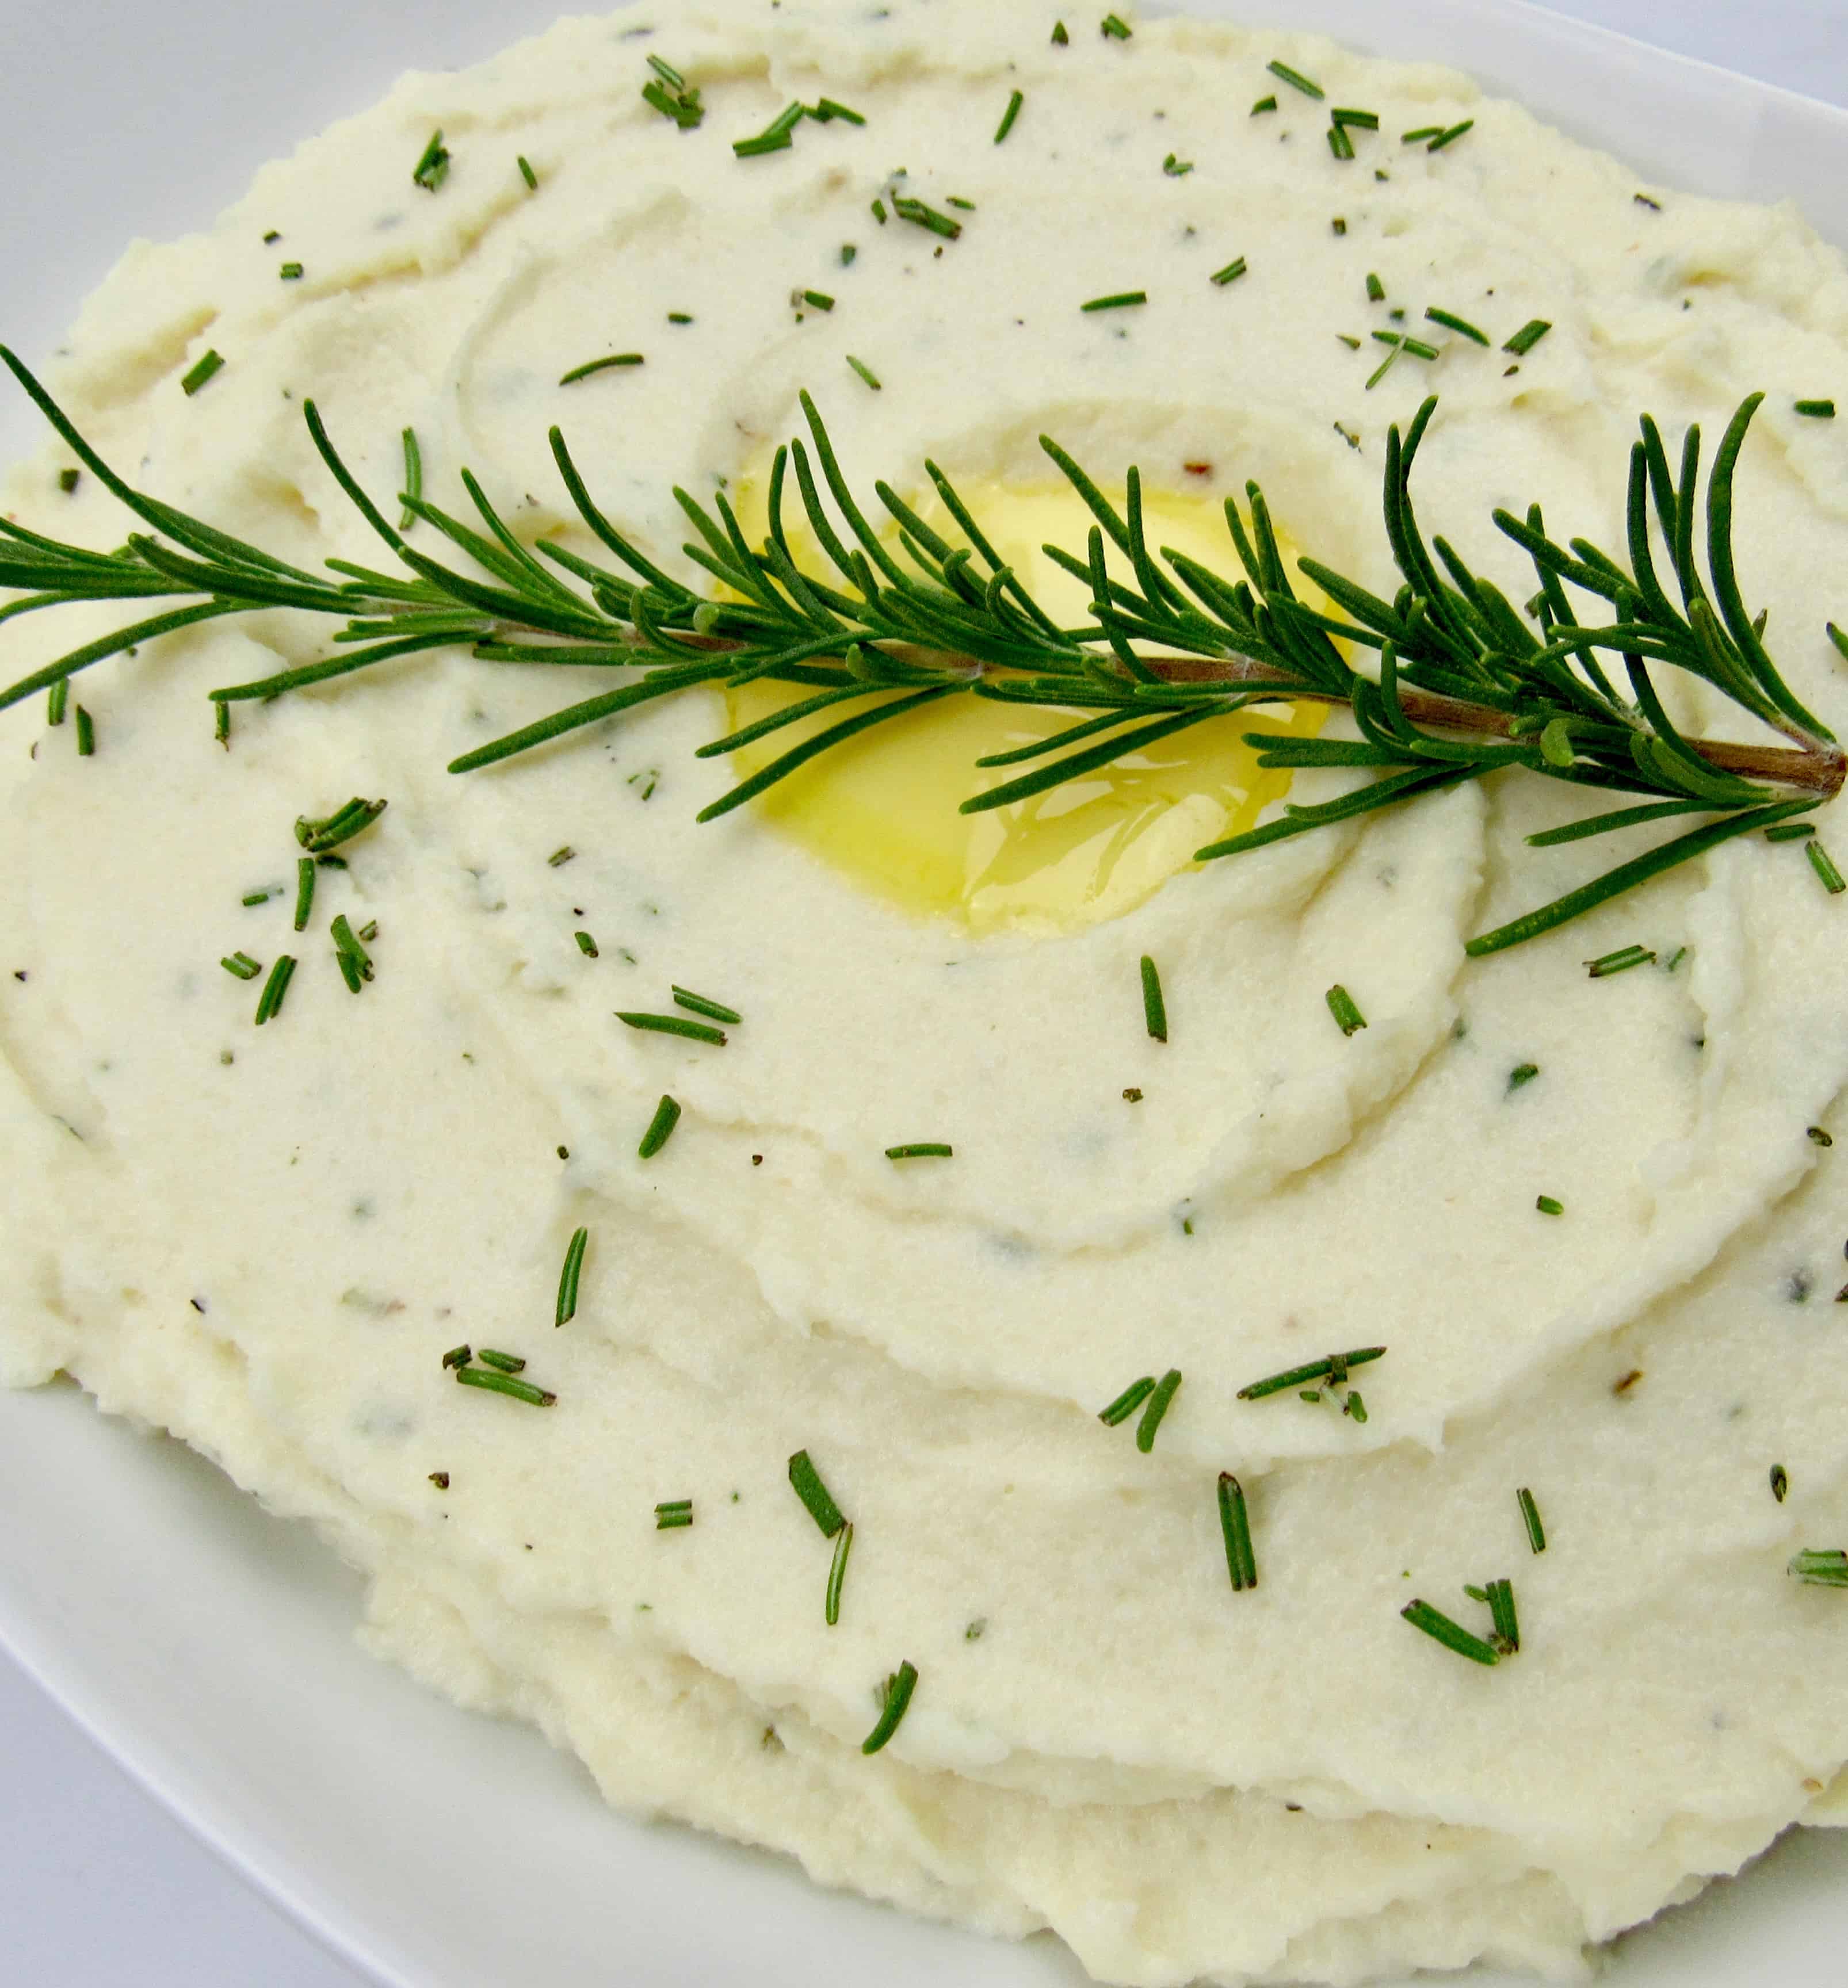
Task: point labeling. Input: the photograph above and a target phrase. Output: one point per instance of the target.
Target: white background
(99, 1887)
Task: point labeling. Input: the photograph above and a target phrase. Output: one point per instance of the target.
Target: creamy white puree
(265, 1241)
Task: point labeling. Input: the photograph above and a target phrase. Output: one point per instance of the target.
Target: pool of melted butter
(882, 809)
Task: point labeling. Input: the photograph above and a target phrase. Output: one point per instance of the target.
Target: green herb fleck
(701, 1004)
(1819, 410)
(825, 110)
(584, 371)
(1334, 1369)
(900, 1686)
(1780, 1483)
(865, 371)
(1417, 347)
(501, 1362)
(86, 733)
(348, 949)
(316, 836)
(586, 944)
(1376, 289)
(1451, 322)
(526, 172)
(921, 1149)
(68, 479)
(1453, 1635)
(1360, 121)
(1014, 102)
(1165, 1389)
(1528, 337)
(1231, 273)
(818, 300)
(1127, 1401)
(1155, 1010)
(1522, 1074)
(1547, 1205)
(1348, 1017)
(1235, 1524)
(1353, 1405)
(290, 272)
(837, 1572)
(242, 965)
(1499, 1596)
(1296, 80)
(1818, 1137)
(672, 1514)
(1118, 300)
(1620, 961)
(1340, 143)
(1176, 168)
(1821, 1567)
(1823, 864)
(672, 1025)
(805, 1480)
(661, 1127)
(922, 215)
(432, 166)
(1530, 1517)
(1789, 831)
(505, 1384)
(1115, 27)
(566, 1308)
(458, 1356)
(414, 479)
(200, 373)
(269, 1003)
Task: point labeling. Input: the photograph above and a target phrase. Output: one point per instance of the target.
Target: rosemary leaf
(660, 1129)
(806, 1482)
(1453, 1635)
(900, 1686)
(1235, 1524)
(1154, 1009)
(566, 1308)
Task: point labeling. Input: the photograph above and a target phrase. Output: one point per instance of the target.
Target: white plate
(208, 1647)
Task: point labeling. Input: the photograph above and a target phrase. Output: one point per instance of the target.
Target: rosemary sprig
(1334, 1370)
(880, 627)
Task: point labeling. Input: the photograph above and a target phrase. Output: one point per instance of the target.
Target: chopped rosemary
(220, 723)
(269, 1003)
(1530, 1517)
(501, 1362)
(256, 896)
(432, 166)
(672, 1513)
(837, 1572)
(1820, 410)
(567, 1308)
(1620, 961)
(87, 732)
(1115, 27)
(1451, 136)
(1340, 143)
(505, 1384)
(1415, 346)
(1451, 322)
(661, 1127)
(559, 856)
(1499, 1596)
(1235, 1523)
(686, 317)
(1339, 226)
(921, 1149)
(290, 272)
(669, 92)
(348, 949)
(1453, 1635)
(316, 836)
(1528, 337)
(1127, 1401)
(1780, 1483)
(1060, 38)
(1295, 79)
(818, 300)
(824, 111)
(1361, 120)
(199, 374)
(584, 371)
(921, 214)
(1118, 300)
(586, 944)
(526, 172)
(304, 887)
(1333, 1369)
(1348, 1017)
(458, 1356)
(1821, 1567)
(1522, 1074)
(1548, 1205)
(440, 1478)
(672, 1025)
(1014, 101)
(865, 371)
(1789, 831)
(1159, 1402)
(1154, 1009)
(1817, 1136)
(1376, 289)
(1353, 1405)
(805, 1479)
(699, 1004)
(414, 479)
(1823, 864)
(242, 965)
(1231, 273)
(1175, 166)
(848, 251)
(903, 1681)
